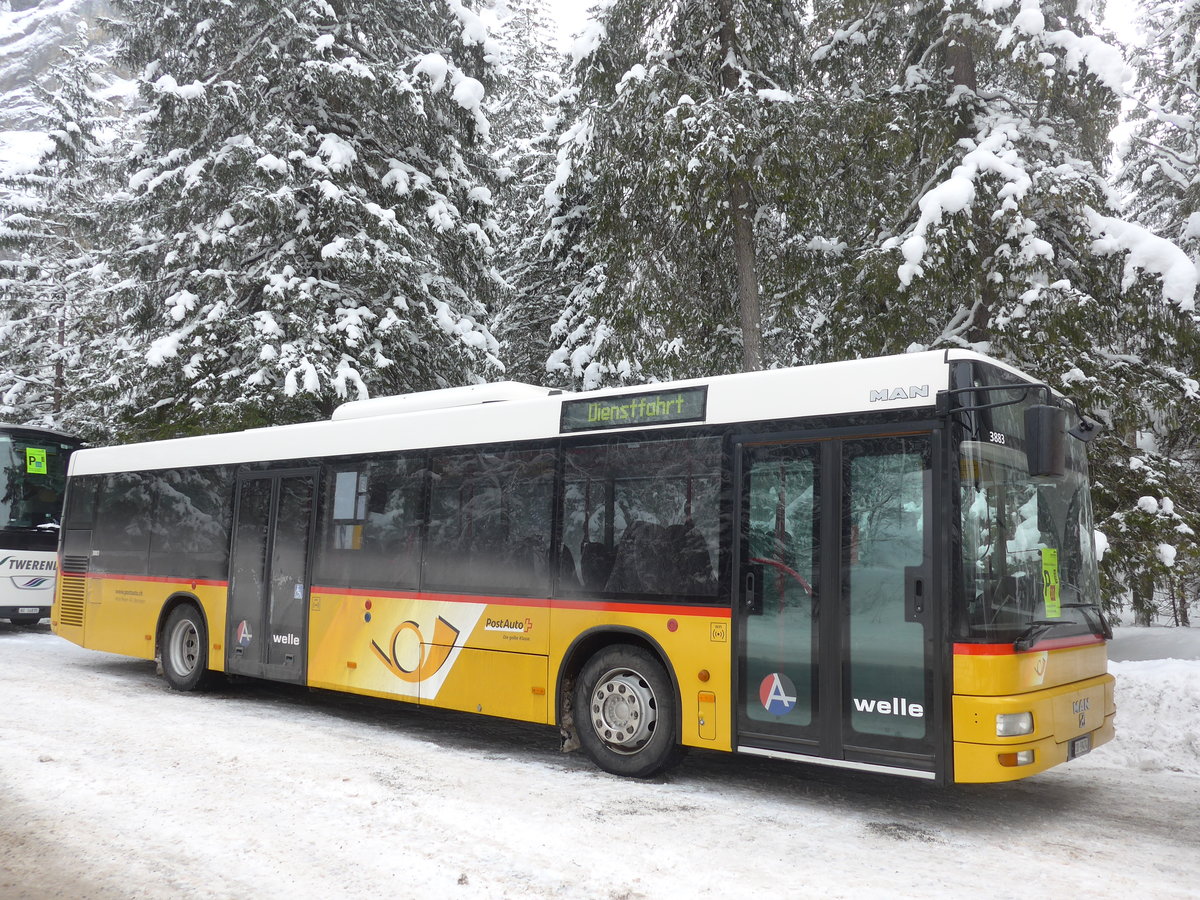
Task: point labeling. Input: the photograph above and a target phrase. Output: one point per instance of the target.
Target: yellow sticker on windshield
(1050, 583)
(35, 460)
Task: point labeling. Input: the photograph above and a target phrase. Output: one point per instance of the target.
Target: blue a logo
(778, 694)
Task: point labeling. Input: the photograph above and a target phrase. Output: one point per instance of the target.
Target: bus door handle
(916, 592)
(752, 590)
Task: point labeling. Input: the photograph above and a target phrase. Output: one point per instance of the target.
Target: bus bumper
(1068, 721)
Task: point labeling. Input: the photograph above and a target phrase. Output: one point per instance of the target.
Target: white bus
(33, 464)
(884, 565)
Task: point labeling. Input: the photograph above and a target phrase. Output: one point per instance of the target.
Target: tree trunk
(742, 211)
(1143, 601)
(59, 371)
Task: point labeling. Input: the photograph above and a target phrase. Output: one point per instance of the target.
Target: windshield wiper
(1037, 628)
(1101, 623)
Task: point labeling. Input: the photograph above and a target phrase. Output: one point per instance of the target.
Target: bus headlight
(1013, 724)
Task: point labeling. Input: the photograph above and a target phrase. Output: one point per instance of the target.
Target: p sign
(35, 460)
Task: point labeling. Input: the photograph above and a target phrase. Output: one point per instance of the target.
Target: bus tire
(625, 712)
(185, 649)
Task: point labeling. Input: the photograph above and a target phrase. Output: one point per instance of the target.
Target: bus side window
(645, 515)
(193, 511)
(371, 527)
(490, 522)
(81, 501)
(125, 509)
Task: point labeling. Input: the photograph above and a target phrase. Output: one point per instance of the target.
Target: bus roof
(533, 413)
(8, 428)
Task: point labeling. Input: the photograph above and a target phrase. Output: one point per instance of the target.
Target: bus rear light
(1014, 724)
(1021, 758)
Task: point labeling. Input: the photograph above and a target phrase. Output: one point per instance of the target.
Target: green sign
(633, 410)
(1050, 594)
(35, 460)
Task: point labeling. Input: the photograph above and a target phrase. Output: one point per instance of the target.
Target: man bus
(884, 565)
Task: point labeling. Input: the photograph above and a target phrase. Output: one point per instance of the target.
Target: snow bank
(1158, 716)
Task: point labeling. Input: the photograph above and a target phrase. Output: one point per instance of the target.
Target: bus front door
(836, 656)
(267, 620)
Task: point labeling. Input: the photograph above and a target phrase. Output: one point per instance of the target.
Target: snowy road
(113, 787)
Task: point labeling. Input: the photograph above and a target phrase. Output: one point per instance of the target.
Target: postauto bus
(883, 565)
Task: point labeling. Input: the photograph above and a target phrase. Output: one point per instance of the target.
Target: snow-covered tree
(52, 238)
(525, 117)
(672, 160)
(1161, 183)
(1009, 240)
(310, 211)
(1162, 163)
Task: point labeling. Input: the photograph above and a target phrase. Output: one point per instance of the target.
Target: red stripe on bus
(157, 579)
(1083, 640)
(535, 602)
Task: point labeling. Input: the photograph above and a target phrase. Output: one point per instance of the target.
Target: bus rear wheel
(185, 649)
(625, 712)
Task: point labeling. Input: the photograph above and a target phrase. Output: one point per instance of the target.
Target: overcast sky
(570, 15)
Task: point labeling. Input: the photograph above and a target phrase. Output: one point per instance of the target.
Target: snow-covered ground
(111, 786)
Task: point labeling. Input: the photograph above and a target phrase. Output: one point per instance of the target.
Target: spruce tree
(666, 185)
(1161, 183)
(310, 213)
(525, 116)
(53, 273)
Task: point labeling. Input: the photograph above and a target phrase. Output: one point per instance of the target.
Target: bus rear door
(269, 575)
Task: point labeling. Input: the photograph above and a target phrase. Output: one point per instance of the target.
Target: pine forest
(226, 214)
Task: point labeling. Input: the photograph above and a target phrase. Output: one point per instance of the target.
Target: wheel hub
(185, 642)
(624, 710)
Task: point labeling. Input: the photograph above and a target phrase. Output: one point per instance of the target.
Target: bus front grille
(73, 593)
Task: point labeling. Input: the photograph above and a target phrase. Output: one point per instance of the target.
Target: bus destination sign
(634, 410)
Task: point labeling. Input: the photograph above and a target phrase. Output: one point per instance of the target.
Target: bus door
(269, 567)
(836, 638)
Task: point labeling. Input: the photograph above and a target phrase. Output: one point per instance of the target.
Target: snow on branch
(474, 31)
(995, 153)
(168, 85)
(1147, 252)
(1102, 59)
(593, 33)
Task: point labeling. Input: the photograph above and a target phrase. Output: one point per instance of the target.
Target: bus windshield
(34, 472)
(1029, 562)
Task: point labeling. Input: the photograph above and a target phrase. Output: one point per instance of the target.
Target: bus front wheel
(185, 649)
(625, 712)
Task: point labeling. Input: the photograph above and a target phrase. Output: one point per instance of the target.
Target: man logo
(911, 393)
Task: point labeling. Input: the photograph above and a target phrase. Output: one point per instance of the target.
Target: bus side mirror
(1046, 440)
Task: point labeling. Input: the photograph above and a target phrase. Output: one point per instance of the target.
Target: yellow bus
(884, 565)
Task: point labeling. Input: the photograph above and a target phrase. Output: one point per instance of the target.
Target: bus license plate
(28, 610)
(1079, 746)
